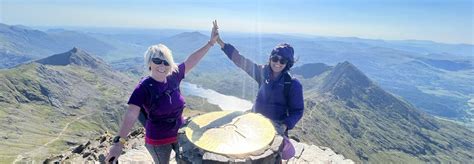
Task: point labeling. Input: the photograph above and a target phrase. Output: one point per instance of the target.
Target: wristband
(118, 139)
(211, 44)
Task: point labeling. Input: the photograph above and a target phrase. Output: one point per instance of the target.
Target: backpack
(286, 90)
(154, 96)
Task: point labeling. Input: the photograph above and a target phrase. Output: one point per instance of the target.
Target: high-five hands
(214, 33)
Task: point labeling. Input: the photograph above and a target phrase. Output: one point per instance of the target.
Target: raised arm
(195, 57)
(129, 120)
(254, 70)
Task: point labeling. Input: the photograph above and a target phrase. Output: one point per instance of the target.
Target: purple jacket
(271, 100)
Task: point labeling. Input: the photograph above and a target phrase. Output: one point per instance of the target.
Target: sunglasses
(158, 61)
(276, 58)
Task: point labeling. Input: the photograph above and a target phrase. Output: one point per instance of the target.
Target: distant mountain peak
(352, 72)
(194, 35)
(75, 56)
(344, 77)
(346, 65)
(311, 70)
(193, 41)
(76, 50)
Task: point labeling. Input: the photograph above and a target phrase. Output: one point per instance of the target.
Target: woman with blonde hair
(160, 98)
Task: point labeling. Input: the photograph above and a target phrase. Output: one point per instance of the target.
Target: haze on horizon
(434, 20)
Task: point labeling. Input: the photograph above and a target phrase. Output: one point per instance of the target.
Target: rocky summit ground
(135, 152)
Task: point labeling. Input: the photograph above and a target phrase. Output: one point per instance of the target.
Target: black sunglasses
(158, 61)
(276, 58)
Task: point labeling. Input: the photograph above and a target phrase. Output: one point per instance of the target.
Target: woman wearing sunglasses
(160, 98)
(280, 96)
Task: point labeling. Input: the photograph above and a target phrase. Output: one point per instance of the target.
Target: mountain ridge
(21, 41)
(33, 95)
(357, 118)
(74, 56)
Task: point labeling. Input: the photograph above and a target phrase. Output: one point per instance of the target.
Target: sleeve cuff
(289, 124)
(228, 49)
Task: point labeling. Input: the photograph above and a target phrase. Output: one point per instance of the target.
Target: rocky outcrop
(316, 154)
(135, 152)
(74, 56)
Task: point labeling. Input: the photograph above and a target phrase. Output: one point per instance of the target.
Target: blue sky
(448, 21)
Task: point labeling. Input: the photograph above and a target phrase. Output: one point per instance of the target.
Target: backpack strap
(143, 117)
(173, 84)
(286, 90)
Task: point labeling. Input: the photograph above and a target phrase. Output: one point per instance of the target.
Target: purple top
(271, 100)
(165, 114)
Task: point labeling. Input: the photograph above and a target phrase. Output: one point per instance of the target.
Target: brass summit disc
(230, 132)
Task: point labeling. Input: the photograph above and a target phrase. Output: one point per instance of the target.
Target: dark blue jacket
(271, 100)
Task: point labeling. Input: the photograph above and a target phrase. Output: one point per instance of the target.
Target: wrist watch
(118, 139)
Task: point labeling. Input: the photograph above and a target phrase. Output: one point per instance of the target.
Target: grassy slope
(91, 103)
(33, 121)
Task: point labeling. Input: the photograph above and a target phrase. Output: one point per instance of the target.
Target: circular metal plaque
(230, 132)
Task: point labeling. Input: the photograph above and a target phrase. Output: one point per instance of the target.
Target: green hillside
(347, 112)
(58, 102)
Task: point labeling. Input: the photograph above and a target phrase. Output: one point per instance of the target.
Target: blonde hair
(162, 52)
